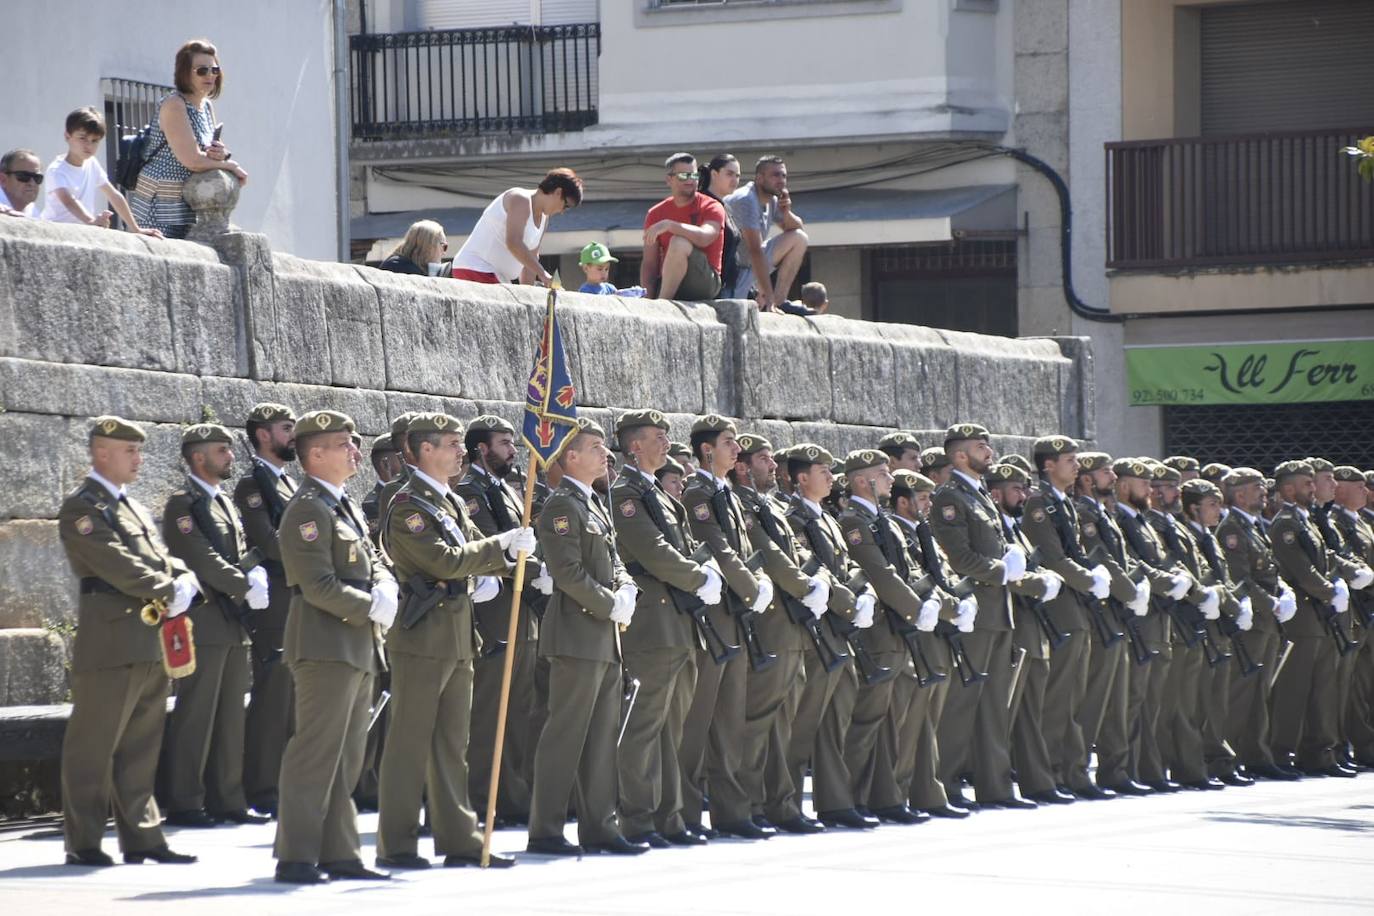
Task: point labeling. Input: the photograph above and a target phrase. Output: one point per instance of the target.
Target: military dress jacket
(1252, 567)
(966, 523)
(783, 559)
(189, 510)
(1045, 513)
(494, 507)
(1309, 566)
(260, 512)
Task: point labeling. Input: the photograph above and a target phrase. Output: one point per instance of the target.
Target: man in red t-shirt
(683, 238)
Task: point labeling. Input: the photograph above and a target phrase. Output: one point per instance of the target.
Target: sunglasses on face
(685, 176)
(26, 177)
(206, 71)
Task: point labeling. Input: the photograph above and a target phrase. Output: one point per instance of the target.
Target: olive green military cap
(1053, 446)
(633, 419)
(679, 450)
(268, 412)
(112, 427)
(899, 440)
(1349, 474)
(1181, 463)
(913, 481)
(934, 458)
(401, 425)
(324, 421)
(434, 423)
(810, 453)
(1320, 464)
(1239, 477)
(1131, 467)
(493, 423)
(1017, 460)
(590, 427)
(1215, 472)
(1369, 478)
(1162, 473)
(1006, 473)
(780, 454)
(861, 459)
(1093, 461)
(713, 423)
(670, 466)
(383, 443)
(749, 443)
(1292, 468)
(205, 432)
(1197, 489)
(961, 431)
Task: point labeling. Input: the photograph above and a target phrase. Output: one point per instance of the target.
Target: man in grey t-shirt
(756, 208)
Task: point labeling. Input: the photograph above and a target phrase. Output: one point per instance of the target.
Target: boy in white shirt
(75, 180)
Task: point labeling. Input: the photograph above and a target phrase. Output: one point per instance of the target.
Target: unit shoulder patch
(84, 525)
(561, 525)
(855, 537)
(415, 523)
(702, 511)
(627, 508)
(184, 524)
(254, 500)
(948, 513)
(309, 531)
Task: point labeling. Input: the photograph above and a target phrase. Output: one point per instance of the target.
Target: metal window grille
(1263, 435)
(129, 105)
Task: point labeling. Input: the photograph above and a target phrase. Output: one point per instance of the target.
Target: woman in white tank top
(504, 245)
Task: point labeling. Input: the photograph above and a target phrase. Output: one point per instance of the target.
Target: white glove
(1015, 561)
(709, 593)
(1287, 606)
(1102, 582)
(765, 597)
(968, 610)
(385, 598)
(929, 616)
(186, 586)
(543, 582)
(818, 598)
(1140, 604)
(863, 610)
(1341, 600)
(487, 588)
(1210, 608)
(1053, 583)
(1180, 587)
(1362, 578)
(624, 608)
(1246, 618)
(517, 541)
(257, 588)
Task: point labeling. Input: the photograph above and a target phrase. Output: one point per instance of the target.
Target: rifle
(1248, 665)
(1048, 627)
(1097, 607)
(1140, 649)
(869, 670)
(926, 673)
(1345, 644)
(688, 604)
(760, 659)
(831, 658)
(968, 674)
(233, 611)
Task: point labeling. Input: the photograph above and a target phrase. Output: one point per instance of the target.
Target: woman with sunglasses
(184, 140)
(421, 252)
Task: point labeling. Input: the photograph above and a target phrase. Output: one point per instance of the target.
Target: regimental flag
(551, 400)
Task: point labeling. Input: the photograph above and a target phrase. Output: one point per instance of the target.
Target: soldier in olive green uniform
(495, 508)
(1303, 707)
(935, 465)
(204, 741)
(443, 563)
(1250, 560)
(660, 647)
(903, 451)
(768, 725)
(386, 464)
(1358, 534)
(398, 439)
(713, 737)
(1109, 680)
(341, 594)
(593, 597)
(119, 686)
(914, 750)
(976, 727)
(260, 497)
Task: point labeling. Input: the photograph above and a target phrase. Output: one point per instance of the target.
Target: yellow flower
(1366, 146)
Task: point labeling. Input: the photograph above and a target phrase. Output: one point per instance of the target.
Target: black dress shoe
(405, 860)
(1011, 804)
(300, 873)
(655, 839)
(1051, 797)
(744, 830)
(1271, 771)
(194, 817)
(1202, 785)
(552, 846)
(159, 854)
(264, 805)
(686, 838)
(240, 817)
(1130, 787)
(900, 814)
(1164, 785)
(948, 811)
(1235, 779)
(764, 824)
(493, 861)
(352, 870)
(801, 826)
(847, 817)
(1338, 771)
(95, 858)
(1093, 793)
(618, 847)
(960, 800)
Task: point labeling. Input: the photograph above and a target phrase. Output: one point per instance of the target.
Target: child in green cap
(596, 261)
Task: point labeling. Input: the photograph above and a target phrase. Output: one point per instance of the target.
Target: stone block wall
(169, 333)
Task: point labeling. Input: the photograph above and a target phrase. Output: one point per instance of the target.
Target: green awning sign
(1262, 373)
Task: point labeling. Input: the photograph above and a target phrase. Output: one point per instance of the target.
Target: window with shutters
(1263, 435)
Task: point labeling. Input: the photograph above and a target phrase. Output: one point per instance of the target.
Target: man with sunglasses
(683, 238)
(21, 178)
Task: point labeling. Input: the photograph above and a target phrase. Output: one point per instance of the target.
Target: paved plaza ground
(1282, 848)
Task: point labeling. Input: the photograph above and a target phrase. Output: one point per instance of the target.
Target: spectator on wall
(21, 178)
(77, 184)
(504, 245)
(720, 178)
(420, 252)
(683, 238)
(756, 208)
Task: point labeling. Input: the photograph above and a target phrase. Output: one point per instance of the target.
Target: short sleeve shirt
(82, 181)
(749, 213)
(702, 210)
